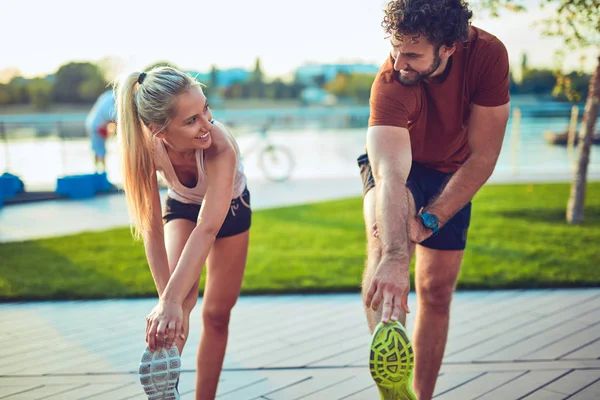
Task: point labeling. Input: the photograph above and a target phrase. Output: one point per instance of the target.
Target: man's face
(415, 59)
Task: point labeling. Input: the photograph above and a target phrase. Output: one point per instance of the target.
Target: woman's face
(190, 127)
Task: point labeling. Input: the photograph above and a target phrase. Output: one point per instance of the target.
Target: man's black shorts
(425, 184)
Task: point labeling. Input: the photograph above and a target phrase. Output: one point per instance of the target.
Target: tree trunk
(577, 198)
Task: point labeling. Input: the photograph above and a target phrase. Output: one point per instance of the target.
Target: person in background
(99, 125)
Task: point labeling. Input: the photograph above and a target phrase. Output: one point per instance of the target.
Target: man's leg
(435, 279)
(391, 359)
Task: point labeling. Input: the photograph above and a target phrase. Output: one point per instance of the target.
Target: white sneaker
(159, 372)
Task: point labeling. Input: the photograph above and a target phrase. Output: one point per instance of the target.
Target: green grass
(518, 239)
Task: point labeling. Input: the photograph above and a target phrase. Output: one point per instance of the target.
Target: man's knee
(435, 293)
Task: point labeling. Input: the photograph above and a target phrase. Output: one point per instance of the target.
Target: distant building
(225, 77)
(317, 96)
(311, 73)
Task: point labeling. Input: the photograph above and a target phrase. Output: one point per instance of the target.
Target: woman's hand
(163, 325)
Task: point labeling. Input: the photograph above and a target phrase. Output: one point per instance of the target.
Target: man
(439, 108)
(98, 125)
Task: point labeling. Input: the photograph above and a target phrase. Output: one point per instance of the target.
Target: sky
(40, 35)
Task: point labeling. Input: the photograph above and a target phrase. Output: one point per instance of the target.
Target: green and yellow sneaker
(391, 361)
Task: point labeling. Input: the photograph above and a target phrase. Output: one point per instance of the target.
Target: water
(318, 152)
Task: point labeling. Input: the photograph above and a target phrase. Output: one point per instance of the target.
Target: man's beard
(414, 79)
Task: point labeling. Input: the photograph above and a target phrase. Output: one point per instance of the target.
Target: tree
(524, 65)
(255, 86)
(17, 88)
(353, 86)
(537, 81)
(577, 22)
(576, 202)
(214, 76)
(78, 83)
(257, 75)
(4, 94)
(234, 91)
(40, 93)
(279, 89)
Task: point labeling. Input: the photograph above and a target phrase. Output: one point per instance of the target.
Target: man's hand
(390, 285)
(418, 232)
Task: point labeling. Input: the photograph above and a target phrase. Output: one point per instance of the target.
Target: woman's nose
(206, 126)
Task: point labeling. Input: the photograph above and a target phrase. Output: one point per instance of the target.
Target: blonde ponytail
(137, 164)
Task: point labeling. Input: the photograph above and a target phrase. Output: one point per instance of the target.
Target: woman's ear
(155, 131)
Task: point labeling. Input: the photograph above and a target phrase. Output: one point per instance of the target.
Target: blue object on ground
(101, 182)
(77, 186)
(10, 185)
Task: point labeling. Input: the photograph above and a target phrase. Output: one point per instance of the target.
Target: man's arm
(390, 158)
(485, 135)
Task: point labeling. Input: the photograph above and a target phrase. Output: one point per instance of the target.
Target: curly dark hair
(442, 22)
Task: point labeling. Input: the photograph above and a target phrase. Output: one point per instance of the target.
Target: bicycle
(274, 160)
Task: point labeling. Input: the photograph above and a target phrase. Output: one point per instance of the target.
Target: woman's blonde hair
(143, 99)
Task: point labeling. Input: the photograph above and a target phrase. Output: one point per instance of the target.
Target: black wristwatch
(430, 221)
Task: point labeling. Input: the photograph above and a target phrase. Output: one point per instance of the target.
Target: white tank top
(178, 191)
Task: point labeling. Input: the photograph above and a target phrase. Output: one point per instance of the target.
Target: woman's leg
(225, 271)
(177, 233)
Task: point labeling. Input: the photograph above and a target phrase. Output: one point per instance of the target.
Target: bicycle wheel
(276, 162)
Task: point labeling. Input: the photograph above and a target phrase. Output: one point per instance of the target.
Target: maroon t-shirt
(436, 113)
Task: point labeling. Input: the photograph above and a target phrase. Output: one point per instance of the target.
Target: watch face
(429, 220)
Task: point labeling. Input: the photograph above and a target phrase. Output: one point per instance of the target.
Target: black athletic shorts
(238, 219)
(425, 184)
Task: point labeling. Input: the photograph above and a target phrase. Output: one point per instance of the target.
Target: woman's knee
(216, 318)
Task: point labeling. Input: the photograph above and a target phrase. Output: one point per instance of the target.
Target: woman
(166, 127)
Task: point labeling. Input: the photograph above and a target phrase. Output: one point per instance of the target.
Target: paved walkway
(502, 345)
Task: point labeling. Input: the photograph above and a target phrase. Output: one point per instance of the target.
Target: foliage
(354, 86)
(40, 91)
(78, 83)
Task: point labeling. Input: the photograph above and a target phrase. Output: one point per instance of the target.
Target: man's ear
(446, 52)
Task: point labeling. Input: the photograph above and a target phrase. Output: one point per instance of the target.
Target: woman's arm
(154, 243)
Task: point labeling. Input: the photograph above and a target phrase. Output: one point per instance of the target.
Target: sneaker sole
(159, 372)
(391, 362)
